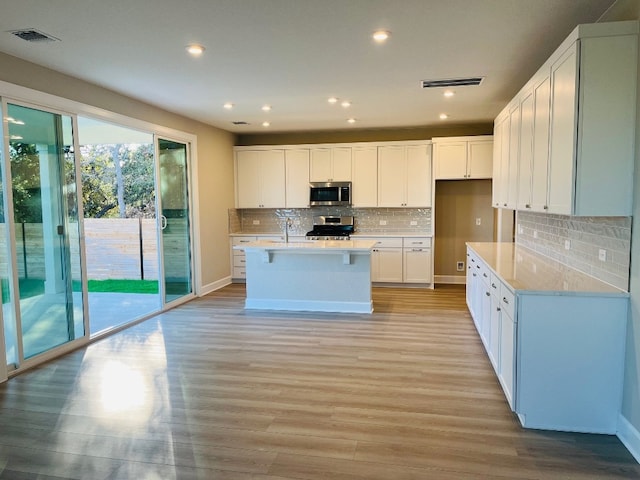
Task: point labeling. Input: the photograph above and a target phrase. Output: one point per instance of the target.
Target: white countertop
(356, 234)
(310, 246)
(527, 271)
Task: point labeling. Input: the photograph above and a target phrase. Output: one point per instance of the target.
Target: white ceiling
(294, 54)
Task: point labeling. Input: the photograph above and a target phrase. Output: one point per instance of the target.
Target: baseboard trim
(308, 305)
(213, 286)
(451, 279)
(629, 436)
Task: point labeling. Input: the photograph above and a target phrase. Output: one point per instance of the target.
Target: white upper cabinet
(330, 164)
(525, 156)
(364, 191)
(260, 179)
(404, 176)
(297, 175)
(458, 158)
(540, 142)
(576, 127)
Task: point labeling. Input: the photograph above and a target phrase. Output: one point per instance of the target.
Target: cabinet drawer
(391, 242)
(416, 242)
(239, 261)
(241, 240)
(484, 273)
(508, 301)
(239, 272)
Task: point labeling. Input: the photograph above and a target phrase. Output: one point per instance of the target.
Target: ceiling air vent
(240, 123)
(452, 82)
(33, 35)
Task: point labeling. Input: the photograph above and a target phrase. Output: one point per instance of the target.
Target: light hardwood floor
(209, 391)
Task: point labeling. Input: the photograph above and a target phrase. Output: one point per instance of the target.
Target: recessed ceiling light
(448, 93)
(266, 108)
(443, 116)
(346, 104)
(381, 35)
(195, 49)
(265, 124)
(228, 105)
(332, 100)
(351, 120)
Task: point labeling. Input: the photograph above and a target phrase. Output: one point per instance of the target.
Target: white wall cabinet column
(297, 178)
(260, 179)
(404, 176)
(331, 164)
(460, 158)
(364, 176)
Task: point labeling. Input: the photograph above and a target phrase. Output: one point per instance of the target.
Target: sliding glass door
(45, 236)
(175, 219)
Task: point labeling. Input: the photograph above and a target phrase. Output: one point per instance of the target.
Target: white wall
(214, 152)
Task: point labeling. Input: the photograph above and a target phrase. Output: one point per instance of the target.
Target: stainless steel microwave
(329, 194)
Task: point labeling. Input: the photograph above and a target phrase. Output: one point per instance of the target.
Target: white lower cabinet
(558, 355)
(416, 260)
(238, 259)
(386, 260)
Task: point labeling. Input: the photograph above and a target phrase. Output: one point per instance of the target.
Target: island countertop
(310, 246)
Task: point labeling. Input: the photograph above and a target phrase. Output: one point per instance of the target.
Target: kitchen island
(320, 276)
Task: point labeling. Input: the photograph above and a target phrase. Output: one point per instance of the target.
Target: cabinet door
(391, 176)
(562, 135)
(248, 194)
(417, 265)
(514, 150)
(320, 170)
(297, 170)
(418, 178)
(364, 191)
(494, 321)
(273, 179)
(480, 159)
(450, 160)
(341, 164)
(497, 186)
(540, 158)
(526, 152)
(485, 323)
(389, 265)
(507, 356)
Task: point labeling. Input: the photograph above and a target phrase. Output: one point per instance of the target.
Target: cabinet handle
(527, 206)
(416, 249)
(498, 309)
(504, 299)
(546, 207)
(487, 294)
(493, 285)
(485, 275)
(474, 274)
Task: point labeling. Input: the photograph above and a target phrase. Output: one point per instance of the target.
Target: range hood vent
(33, 35)
(453, 82)
(240, 122)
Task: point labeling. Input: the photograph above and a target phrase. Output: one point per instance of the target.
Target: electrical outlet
(256, 222)
(534, 267)
(478, 221)
(413, 223)
(535, 234)
(383, 222)
(460, 266)
(567, 244)
(602, 255)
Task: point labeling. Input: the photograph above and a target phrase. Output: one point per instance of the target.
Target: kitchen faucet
(287, 225)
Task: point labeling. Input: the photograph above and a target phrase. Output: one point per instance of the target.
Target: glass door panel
(46, 230)
(175, 219)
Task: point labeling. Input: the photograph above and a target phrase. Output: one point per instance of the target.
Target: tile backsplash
(367, 220)
(547, 235)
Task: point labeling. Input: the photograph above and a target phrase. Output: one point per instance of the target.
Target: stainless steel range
(331, 228)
